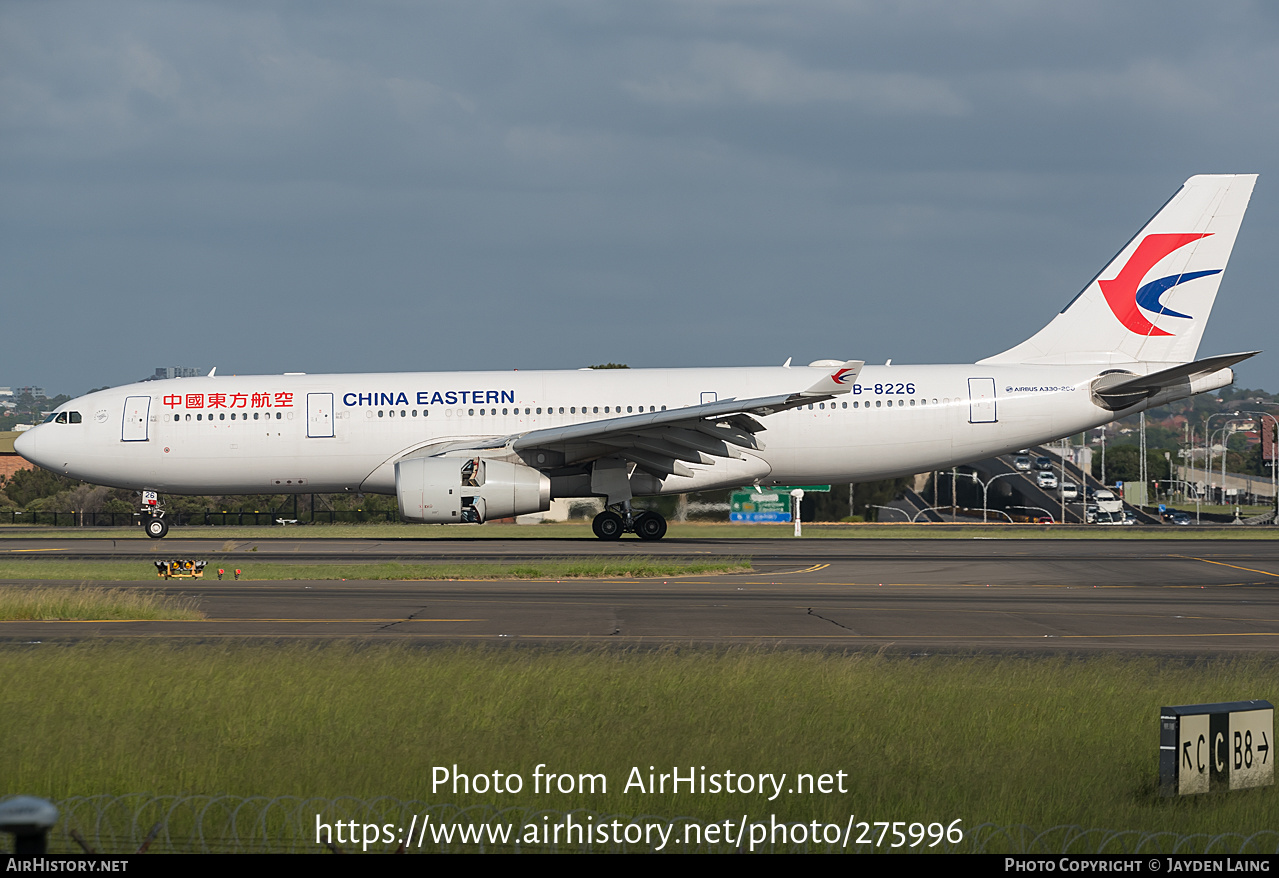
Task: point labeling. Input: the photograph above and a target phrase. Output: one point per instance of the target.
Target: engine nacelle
(452, 490)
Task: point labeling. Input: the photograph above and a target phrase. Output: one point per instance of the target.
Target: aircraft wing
(662, 443)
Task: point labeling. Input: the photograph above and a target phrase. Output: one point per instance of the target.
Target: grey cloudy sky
(323, 186)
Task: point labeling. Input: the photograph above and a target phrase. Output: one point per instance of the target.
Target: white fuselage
(330, 433)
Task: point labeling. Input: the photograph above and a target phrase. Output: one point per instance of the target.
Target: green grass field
(89, 602)
(1036, 741)
(631, 567)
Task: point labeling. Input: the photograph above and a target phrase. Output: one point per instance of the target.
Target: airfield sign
(1214, 747)
(770, 505)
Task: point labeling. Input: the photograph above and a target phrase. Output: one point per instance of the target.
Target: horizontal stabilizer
(1118, 390)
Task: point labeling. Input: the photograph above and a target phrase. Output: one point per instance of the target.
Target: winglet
(839, 381)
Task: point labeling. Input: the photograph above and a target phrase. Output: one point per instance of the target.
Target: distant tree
(833, 506)
(27, 485)
(1123, 464)
(611, 366)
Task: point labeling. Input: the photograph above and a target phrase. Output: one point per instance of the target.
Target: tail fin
(1151, 303)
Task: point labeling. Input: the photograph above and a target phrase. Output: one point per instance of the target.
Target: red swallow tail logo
(841, 376)
(1125, 294)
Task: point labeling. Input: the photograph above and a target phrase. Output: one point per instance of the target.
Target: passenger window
(539, 409)
(878, 403)
(596, 410)
(381, 414)
(255, 415)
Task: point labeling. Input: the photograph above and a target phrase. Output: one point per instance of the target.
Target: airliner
(466, 447)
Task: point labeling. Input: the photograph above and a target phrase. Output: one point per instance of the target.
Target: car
(1044, 464)
(1178, 518)
(1021, 463)
(1046, 479)
(1090, 513)
(1069, 491)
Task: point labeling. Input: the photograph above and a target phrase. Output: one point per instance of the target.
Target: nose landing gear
(153, 516)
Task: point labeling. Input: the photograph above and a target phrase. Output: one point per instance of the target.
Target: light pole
(1208, 450)
(984, 488)
(891, 508)
(1103, 453)
(1274, 459)
(1226, 432)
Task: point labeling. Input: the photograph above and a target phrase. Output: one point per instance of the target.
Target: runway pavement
(1177, 597)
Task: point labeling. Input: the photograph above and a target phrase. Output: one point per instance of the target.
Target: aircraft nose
(25, 445)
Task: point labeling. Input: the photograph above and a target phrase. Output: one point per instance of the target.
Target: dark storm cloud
(332, 186)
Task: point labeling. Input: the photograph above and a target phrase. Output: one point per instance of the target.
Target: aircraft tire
(650, 526)
(157, 528)
(608, 525)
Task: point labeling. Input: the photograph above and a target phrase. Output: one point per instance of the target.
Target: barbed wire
(291, 824)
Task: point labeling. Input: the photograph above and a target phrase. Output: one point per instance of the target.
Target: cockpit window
(63, 418)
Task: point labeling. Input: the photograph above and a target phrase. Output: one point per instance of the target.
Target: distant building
(164, 372)
(36, 392)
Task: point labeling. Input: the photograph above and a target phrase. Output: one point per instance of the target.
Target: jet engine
(472, 490)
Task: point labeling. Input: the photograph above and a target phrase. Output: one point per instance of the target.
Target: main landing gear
(610, 525)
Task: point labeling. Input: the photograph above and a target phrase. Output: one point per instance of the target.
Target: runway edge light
(1216, 747)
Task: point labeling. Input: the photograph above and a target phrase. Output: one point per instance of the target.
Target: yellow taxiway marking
(1235, 566)
(788, 572)
(36, 550)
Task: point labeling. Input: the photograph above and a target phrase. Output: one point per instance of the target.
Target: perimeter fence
(290, 824)
(187, 519)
